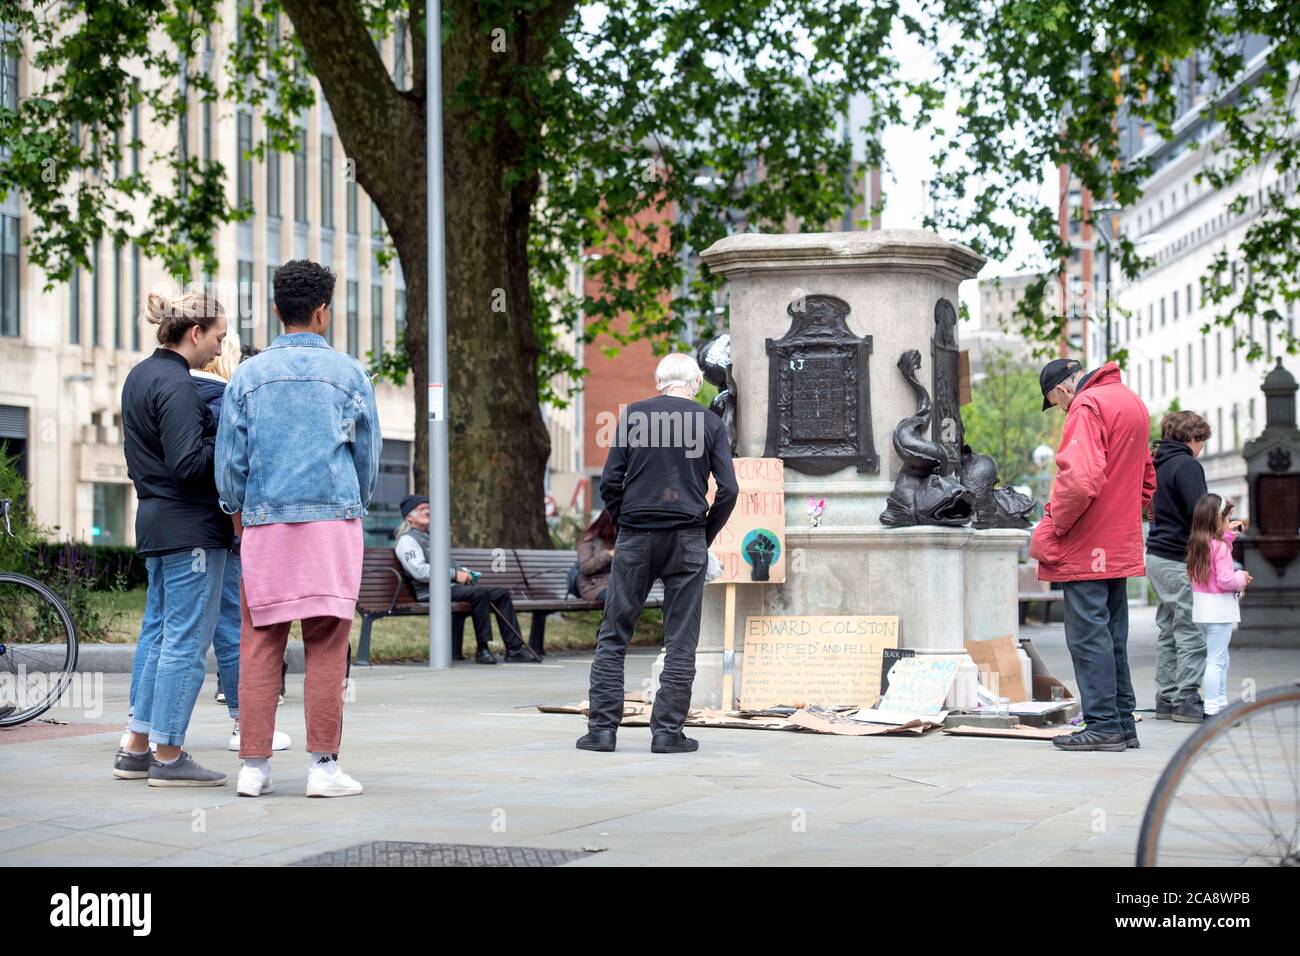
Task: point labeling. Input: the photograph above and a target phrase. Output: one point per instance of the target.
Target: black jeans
(482, 600)
(1096, 632)
(640, 557)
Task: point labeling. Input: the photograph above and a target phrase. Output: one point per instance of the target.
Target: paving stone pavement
(463, 757)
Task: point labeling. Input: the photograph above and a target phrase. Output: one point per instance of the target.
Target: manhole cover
(396, 853)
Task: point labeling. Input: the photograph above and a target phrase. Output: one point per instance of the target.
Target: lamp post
(439, 501)
(1105, 227)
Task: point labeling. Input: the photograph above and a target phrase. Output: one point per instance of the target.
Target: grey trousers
(679, 558)
(1180, 647)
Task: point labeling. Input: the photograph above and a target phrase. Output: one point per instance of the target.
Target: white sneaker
(253, 782)
(279, 741)
(327, 779)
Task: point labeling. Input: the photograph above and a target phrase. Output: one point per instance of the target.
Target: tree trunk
(498, 443)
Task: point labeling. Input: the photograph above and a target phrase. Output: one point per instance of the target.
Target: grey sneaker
(185, 772)
(129, 766)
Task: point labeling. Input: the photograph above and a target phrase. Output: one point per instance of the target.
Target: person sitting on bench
(413, 552)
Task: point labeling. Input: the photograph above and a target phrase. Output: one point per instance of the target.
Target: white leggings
(1216, 637)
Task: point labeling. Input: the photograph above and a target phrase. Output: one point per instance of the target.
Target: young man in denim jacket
(298, 457)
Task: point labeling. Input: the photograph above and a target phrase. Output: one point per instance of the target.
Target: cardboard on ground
(798, 661)
(760, 506)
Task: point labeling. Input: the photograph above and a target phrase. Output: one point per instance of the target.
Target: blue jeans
(1096, 633)
(225, 639)
(189, 601)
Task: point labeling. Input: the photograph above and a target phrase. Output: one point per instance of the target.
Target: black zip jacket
(170, 441)
(1180, 483)
(656, 475)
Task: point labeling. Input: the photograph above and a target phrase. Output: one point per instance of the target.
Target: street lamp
(1105, 227)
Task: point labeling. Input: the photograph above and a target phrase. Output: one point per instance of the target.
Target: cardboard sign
(891, 656)
(919, 685)
(751, 546)
(799, 661)
(999, 655)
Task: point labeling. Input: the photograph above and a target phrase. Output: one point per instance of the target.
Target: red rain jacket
(1092, 527)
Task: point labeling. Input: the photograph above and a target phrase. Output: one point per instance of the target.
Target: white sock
(318, 756)
(168, 763)
(258, 763)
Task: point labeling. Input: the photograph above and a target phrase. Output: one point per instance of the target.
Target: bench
(1030, 590)
(536, 579)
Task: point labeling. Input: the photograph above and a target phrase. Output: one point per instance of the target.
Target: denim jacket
(299, 435)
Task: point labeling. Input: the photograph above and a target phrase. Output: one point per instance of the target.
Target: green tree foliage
(1005, 418)
(1045, 83)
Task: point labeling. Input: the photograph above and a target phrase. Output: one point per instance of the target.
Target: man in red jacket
(1090, 538)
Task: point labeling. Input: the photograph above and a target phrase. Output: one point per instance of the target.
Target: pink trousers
(261, 652)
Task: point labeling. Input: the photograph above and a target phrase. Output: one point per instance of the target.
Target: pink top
(1224, 578)
(301, 569)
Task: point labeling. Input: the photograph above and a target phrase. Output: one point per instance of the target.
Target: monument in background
(1270, 607)
(822, 327)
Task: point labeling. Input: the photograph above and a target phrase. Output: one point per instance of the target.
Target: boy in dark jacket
(1180, 483)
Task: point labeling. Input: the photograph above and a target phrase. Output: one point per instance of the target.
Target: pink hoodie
(1224, 579)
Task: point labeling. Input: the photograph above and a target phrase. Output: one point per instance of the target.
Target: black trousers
(1096, 632)
(482, 600)
(679, 558)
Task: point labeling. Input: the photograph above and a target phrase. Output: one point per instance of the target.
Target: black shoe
(484, 656)
(1164, 709)
(1090, 740)
(601, 741)
(677, 743)
(1190, 710)
(1133, 743)
(523, 654)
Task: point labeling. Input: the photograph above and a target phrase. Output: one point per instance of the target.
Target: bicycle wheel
(1231, 794)
(38, 648)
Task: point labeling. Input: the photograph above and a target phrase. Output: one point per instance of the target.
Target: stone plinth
(945, 584)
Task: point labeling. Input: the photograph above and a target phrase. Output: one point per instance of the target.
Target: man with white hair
(655, 486)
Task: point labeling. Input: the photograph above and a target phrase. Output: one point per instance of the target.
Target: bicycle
(35, 668)
(1231, 793)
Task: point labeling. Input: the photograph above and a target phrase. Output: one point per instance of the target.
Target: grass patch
(406, 639)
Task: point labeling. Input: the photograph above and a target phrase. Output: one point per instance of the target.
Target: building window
(272, 323)
(376, 220)
(207, 131)
(300, 178)
(135, 126)
(352, 207)
(327, 181)
(1162, 310)
(1250, 419)
(110, 514)
(399, 54)
(1139, 379)
(1236, 428)
(117, 296)
(1175, 370)
(74, 307)
(1205, 360)
(94, 297)
(393, 484)
(1164, 377)
(244, 161)
(399, 318)
(1189, 298)
(1222, 436)
(353, 319)
(1151, 317)
(245, 322)
(1191, 365)
(9, 317)
(135, 297)
(377, 319)
(273, 183)
(1174, 301)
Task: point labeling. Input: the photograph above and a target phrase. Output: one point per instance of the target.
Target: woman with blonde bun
(181, 532)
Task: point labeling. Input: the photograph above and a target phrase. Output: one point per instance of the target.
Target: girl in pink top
(1215, 583)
